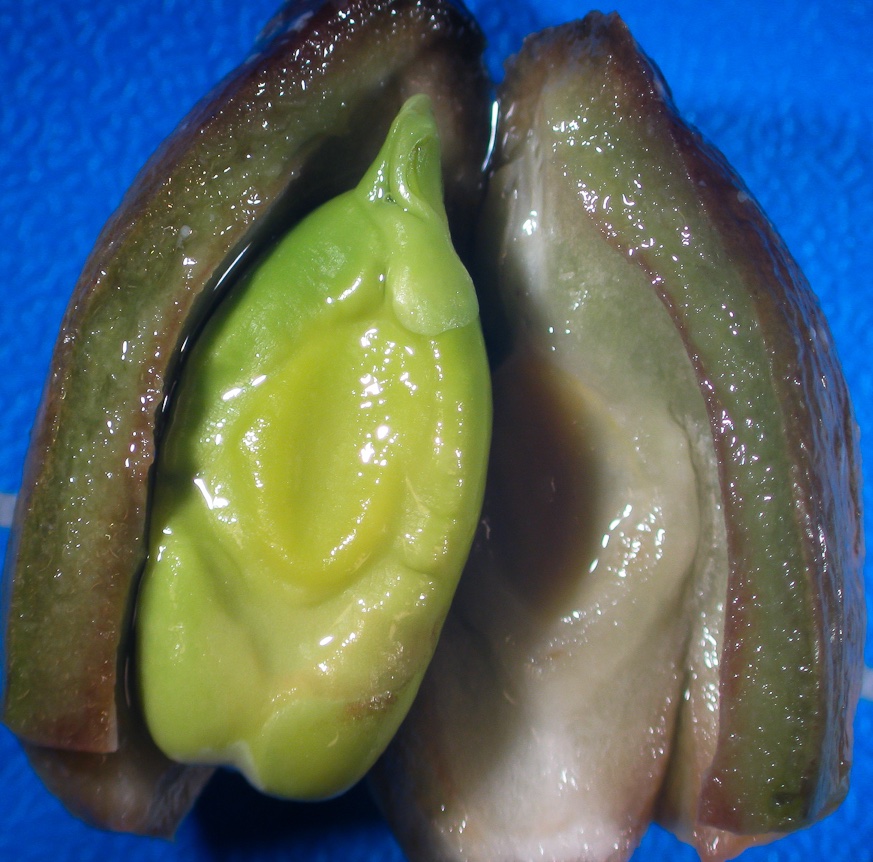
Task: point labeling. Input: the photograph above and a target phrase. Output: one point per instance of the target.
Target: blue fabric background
(90, 88)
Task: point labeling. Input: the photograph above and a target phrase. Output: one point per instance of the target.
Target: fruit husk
(297, 123)
(794, 613)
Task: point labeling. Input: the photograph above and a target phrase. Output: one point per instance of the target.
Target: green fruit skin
(252, 158)
(318, 488)
(780, 415)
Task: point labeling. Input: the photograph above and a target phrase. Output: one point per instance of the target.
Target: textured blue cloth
(88, 91)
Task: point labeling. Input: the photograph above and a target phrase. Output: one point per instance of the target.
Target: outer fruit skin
(249, 160)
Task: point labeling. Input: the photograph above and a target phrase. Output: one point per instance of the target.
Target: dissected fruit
(295, 125)
(661, 616)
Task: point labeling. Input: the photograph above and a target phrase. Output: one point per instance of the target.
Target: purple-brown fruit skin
(800, 772)
(293, 126)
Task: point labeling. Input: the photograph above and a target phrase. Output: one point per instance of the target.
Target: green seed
(318, 489)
